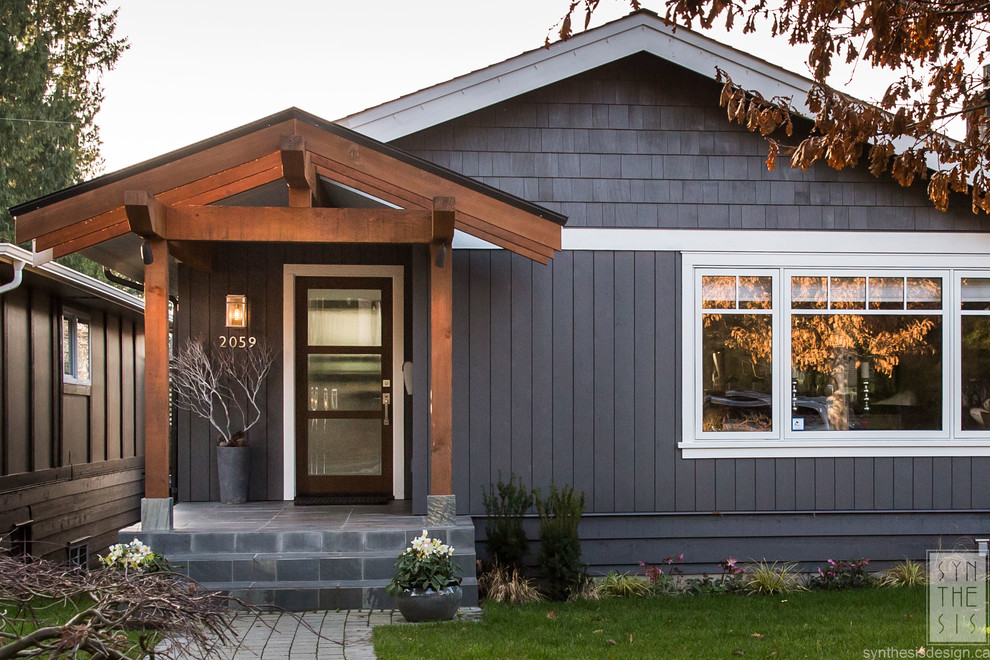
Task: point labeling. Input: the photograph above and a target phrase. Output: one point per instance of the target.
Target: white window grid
(783, 442)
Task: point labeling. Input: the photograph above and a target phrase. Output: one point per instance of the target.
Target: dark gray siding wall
(256, 270)
(643, 143)
(71, 457)
(571, 371)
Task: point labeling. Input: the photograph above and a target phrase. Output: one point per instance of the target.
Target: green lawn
(836, 624)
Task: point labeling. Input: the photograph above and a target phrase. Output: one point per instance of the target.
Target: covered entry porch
(295, 217)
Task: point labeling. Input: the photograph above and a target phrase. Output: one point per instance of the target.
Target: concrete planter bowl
(419, 605)
(234, 469)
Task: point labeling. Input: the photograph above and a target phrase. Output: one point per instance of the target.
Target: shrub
(502, 585)
(624, 585)
(505, 506)
(560, 546)
(843, 574)
(772, 578)
(906, 574)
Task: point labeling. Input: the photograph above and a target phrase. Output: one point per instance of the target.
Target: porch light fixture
(237, 311)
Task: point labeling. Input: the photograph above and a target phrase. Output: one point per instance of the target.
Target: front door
(343, 386)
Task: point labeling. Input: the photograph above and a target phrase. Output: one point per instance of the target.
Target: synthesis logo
(957, 597)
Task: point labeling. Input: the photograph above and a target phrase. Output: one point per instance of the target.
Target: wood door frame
(289, 274)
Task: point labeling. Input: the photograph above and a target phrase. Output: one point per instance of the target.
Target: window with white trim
(75, 348)
(813, 359)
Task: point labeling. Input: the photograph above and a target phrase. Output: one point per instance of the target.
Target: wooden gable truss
(169, 207)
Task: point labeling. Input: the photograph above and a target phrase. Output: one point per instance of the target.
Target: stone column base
(156, 514)
(441, 510)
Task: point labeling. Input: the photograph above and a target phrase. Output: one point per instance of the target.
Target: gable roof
(91, 216)
(641, 31)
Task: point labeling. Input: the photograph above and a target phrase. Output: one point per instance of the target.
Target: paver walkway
(330, 635)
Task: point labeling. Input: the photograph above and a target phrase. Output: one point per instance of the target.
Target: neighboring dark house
(638, 365)
(71, 409)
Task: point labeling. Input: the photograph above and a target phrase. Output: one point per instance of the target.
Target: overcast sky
(196, 68)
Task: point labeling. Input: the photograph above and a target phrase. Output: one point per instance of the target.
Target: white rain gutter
(20, 257)
(18, 277)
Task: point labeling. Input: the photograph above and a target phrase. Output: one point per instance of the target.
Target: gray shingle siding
(602, 139)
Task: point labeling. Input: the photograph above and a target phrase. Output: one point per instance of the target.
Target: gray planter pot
(419, 605)
(234, 467)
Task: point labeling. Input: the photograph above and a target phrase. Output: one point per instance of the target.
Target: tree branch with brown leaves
(936, 48)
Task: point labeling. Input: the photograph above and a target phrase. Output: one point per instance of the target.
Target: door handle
(386, 399)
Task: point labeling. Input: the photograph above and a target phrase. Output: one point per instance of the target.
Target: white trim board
(638, 32)
(641, 31)
(289, 274)
(741, 241)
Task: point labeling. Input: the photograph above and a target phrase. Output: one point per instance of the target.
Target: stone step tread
(313, 584)
(177, 557)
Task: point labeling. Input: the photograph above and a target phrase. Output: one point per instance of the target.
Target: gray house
(571, 267)
(726, 360)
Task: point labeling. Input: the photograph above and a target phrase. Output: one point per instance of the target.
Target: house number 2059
(237, 342)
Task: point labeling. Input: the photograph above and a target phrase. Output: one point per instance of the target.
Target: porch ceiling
(324, 166)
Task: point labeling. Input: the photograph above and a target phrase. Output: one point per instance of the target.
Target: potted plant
(426, 586)
(222, 386)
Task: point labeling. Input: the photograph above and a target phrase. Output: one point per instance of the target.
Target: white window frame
(75, 317)
(783, 442)
(957, 413)
(776, 419)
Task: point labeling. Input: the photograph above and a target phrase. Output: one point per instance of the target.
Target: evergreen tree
(52, 54)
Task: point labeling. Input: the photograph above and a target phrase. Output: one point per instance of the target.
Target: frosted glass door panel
(341, 447)
(345, 382)
(345, 317)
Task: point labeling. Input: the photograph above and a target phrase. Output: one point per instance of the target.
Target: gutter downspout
(18, 276)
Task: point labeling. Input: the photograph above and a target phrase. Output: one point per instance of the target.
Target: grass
(831, 624)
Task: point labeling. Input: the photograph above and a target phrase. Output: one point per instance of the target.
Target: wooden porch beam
(443, 219)
(90, 240)
(156, 417)
(298, 225)
(297, 170)
(441, 349)
(198, 256)
(167, 176)
(145, 214)
(81, 229)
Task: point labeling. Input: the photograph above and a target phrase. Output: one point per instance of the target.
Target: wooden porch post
(156, 508)
(440, 503)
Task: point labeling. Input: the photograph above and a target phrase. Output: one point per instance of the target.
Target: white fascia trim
(56, 271)
(289, 274)
(585, 51)
(866, 448)
(777, 242)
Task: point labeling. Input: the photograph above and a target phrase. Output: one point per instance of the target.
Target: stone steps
(306, 570)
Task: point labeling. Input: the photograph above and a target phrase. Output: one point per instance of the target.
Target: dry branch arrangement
(222, 385)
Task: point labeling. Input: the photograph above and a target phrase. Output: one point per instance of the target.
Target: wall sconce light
(237, 311)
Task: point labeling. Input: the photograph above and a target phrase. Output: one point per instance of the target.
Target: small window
(77, 553)
(75, 348)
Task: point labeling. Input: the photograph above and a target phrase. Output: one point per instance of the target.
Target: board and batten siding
(571, 372)
(72, 456)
